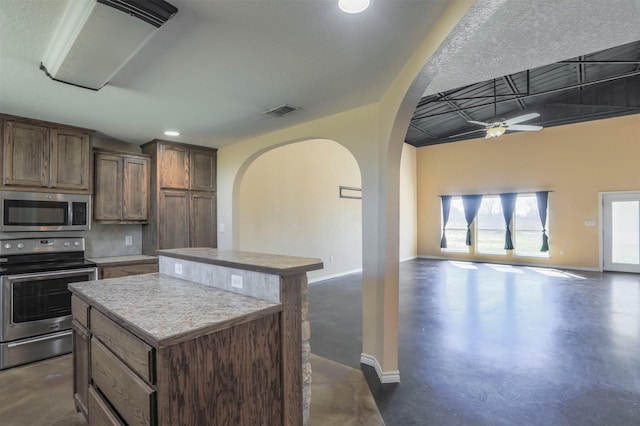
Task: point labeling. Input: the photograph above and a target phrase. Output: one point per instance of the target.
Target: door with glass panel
(621, 231)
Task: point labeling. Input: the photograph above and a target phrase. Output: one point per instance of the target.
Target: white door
(621, 231)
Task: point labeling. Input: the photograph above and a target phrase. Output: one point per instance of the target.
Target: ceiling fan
(499, 126)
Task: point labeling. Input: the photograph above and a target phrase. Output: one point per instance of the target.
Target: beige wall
(408, 204)
(374, 134)
(290, 204)
(576, 162)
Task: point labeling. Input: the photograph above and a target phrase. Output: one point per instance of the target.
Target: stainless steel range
(35, 304)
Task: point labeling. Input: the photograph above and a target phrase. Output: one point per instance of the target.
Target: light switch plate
(178, 268)
(128, 240)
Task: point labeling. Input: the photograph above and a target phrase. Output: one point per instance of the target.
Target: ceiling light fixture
(96, 38)
(353, 6)
(494, 132)
(171, 133)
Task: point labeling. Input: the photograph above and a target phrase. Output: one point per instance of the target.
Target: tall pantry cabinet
(182, 212)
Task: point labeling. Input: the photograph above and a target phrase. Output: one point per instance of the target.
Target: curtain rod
(497, 193)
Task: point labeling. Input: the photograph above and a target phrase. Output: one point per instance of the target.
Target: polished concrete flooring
(40, 394)
(484, 344)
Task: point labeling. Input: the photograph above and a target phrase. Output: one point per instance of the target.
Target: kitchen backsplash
(110, 240)
(100, 241)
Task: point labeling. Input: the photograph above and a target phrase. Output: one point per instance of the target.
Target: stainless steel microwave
(37, 211)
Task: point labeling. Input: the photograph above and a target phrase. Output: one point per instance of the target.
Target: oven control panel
(41, 245)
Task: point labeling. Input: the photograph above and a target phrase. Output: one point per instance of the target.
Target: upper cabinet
(202, 170)
(43, 156)
(121, 187)
(186, 167)
(173, 166)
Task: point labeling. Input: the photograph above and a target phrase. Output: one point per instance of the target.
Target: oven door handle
(40, 339)
(44, 275)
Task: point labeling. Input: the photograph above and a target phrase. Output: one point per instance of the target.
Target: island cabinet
(183, 202)
(121, 187)
(157, 350)
(45, 157)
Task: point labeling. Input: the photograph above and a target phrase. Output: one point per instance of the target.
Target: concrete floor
(485, 344)
(40, 394)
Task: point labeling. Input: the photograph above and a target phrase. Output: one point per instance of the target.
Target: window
(456, 229)
(527, 227)
(490, 227)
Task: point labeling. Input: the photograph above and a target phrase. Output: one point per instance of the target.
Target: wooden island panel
(232, 384)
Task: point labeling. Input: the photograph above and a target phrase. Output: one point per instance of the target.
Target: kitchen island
(165, 348)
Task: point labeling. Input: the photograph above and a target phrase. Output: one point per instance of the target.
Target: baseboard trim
(383, 376)
(338, 275)
(507, 262)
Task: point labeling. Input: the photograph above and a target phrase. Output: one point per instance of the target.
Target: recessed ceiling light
(171, 133)
(353, 6)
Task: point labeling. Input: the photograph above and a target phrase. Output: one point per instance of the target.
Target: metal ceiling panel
(603, 84)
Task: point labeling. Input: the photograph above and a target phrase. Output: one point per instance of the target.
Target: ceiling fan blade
(479, 122)
(521, 118)
(524, 127)
(466, 133)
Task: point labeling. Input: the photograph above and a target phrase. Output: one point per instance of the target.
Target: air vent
(280, 111)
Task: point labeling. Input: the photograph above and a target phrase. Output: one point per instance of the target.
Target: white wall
(289, 204)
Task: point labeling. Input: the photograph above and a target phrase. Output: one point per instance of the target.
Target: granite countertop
(135, 258)
(260, 262)
(163, 310)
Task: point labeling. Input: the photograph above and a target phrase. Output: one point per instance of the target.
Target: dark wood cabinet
(202, 219)
(81, 353)
(202, 170)
(70, 159)
(173, 166)
(183, 202)
(122, 267)
(173, 222)
(135, 190)
(228, 374)
(121, 188)
(44, 156)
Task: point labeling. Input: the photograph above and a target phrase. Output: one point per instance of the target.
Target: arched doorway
(289, 202)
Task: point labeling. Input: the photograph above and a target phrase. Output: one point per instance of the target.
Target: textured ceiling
(217, 65)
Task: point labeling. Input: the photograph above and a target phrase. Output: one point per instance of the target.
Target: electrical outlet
(236, 281)
(128, 240)
(221, 227)
(561, 252)
(178, 268)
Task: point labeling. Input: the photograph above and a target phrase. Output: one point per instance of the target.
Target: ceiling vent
(97, 37)
(280, 111)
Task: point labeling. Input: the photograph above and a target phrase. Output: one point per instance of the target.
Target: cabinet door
(70, 159)
(202, 166)
(135, 189)
(173, 219)
(174, 167)
(26, 154)
(203, 219)
(107, 200)
(81, 374)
